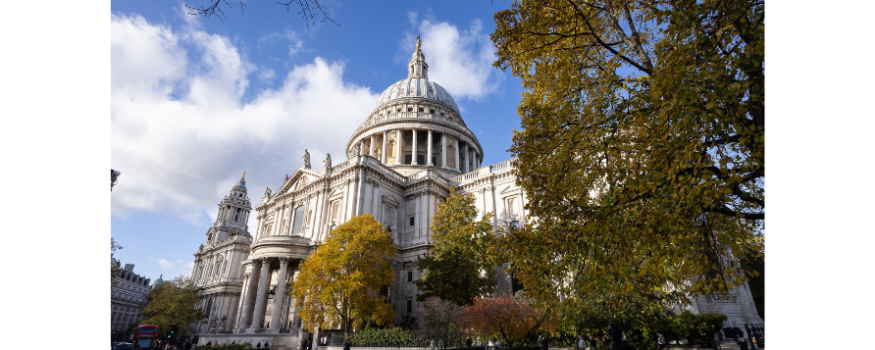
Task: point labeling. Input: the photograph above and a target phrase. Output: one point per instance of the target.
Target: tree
(642, 149)
(176, 303)
(512, 318)
(340, 283)
(309, 10)
(461, 266)
(114, 269)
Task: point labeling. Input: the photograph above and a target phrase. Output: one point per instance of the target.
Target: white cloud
(164, 263)
(296, 44)
(460, 61)
(182, 133)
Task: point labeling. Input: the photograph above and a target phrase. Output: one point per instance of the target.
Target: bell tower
(233, 214)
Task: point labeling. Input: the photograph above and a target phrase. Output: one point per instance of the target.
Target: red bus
(144, 337)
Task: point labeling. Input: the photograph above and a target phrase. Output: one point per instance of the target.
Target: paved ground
(732, 345)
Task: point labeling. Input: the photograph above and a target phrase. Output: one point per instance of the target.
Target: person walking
(431, 346)
(441, 344)
(258, 346)
(469, 342)
(742, 344)
(591, 343)
(542, 342)
(266, 345)
(580, 343)
(346, 345)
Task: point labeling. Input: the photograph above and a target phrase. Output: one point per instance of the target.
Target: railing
(484, 170)
(340, 167)
(415, 116)
(383, 169)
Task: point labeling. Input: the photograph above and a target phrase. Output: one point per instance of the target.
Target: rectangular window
(409, 276)
(299, 220)
(409, 306)
(411, 221)
(335, 211)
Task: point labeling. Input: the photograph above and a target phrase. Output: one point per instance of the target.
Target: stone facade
(129, 292)
(401, 163)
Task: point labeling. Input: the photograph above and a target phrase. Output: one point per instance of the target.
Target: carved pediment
(508, 189)
(390, 199)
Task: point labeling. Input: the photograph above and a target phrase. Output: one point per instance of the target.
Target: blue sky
(196, 101)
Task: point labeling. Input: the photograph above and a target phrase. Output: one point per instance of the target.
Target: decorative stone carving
(327, 161)
(267, 192)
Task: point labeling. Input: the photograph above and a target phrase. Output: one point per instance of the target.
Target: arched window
(209, 307)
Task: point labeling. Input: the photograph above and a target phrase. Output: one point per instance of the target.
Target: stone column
(428, 155)
(260, 298)
(361, 147)
(371, 148)
(384, 155)
(414, 150)
(246, 312)
(467, 158)
(278, 298)
(399, 158)
(443, 150)
(471, 159)
(458, 161)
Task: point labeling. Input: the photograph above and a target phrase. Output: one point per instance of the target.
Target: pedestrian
(626, 343)
(233, 342)
(441, 344)
(542, 342)
(210, 343)
(491, 344)
(346, 345)
(266, 345)
(742, 344)
(469, 342)
(591, 343)
(432, 344)
(580, 343)
(258, 346)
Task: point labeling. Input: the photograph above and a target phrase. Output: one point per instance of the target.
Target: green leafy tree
(461, 266)
(176, 303)
(339, 284)
(114, 270)
(642, 149)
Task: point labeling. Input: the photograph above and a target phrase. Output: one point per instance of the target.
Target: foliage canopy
(339, 284)
(177, 303)
(642, 149)
(461, 266)
(513, 318)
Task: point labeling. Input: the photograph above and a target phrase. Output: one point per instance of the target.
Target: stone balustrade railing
(482, 171)
(413, 117)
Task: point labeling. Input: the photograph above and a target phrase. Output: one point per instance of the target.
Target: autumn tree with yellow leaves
(339, 285)
(642, 145)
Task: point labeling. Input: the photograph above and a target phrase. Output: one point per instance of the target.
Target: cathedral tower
(218, 269)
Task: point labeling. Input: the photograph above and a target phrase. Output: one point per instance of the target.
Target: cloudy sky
(195, 101)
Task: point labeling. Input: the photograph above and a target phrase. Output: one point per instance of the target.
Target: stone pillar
(260, 298)
(467, 158)
(399, 159)
(471, 159)
(361, 147)
(371, 148)
(246, 312)
(384, 154)
(414, 150)
(443, 150)
(428, 154)
(279, 297)
(458, 161)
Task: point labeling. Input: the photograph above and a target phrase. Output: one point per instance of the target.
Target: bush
(243, 346)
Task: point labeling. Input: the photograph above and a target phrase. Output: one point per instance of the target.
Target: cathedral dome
(416, 124)
(420, 87)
